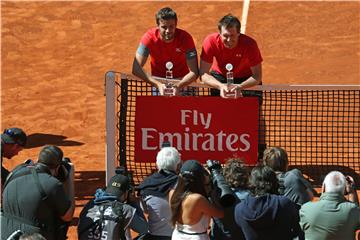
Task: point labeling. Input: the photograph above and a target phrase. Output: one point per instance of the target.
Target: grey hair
(168, 158)
(335, 182)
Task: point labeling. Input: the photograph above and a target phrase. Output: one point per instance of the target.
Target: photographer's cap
(14, 136)
(194, 167)
(51, 156)
(118, 185)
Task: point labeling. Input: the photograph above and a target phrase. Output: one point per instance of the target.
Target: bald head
(335, 182)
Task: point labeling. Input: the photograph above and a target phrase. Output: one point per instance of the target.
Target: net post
(110, 125)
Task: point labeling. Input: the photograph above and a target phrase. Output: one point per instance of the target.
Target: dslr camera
(64, 169)
(129, 174)
(227, 197)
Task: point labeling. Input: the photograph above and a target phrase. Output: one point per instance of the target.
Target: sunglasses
(17, 139)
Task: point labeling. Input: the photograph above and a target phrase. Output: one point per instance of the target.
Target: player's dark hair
(165, 13)
(229, 21)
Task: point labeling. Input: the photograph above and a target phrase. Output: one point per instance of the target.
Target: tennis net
(317, 125)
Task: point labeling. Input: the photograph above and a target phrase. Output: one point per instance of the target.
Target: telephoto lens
(227, 196)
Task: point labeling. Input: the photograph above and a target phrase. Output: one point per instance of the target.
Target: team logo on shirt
(178, 49)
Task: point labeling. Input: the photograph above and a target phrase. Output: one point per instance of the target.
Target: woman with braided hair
(191, 210)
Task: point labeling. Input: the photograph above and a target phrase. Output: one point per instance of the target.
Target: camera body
(227, 197)
(64, 169)
(129, 174)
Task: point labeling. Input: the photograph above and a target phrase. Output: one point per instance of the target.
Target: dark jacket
(158, 184)
(268, 217)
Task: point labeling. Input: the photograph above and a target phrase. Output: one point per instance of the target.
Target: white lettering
(195, 118)
(208, 144)
(205, 122)
(244, 139)
(184, 115)
(145, 135)
(187, 139)
(230, 140)
(195, 140)
(220, 136)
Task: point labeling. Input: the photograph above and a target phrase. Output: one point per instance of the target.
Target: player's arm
(209, 80)
(138, 70)
(192, 63)
(255, 79)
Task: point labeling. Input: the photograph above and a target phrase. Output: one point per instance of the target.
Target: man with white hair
(332, 217)
(154, 193)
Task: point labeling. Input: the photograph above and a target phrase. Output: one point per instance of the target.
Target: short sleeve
(144, 45)
(254, 54)
(190, 48)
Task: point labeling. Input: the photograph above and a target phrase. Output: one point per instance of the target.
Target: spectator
(167, 43)
(264, 214)
(110, 215)
(154, 192)
(229, 46)
(332, 217)
(33, 236)
(292, 184)
(191, 210)
(35, 201)
(13, 140)
(237, 176)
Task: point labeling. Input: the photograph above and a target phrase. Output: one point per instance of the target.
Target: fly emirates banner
(200, 128)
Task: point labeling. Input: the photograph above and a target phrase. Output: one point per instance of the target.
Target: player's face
(167, 29)
(229, 36)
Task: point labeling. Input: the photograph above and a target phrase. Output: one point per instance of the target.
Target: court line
(246, 5)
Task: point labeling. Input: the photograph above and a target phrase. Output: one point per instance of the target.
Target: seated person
(292, 183)
(191, 210)
(332, 217)
(154, 192)
(236, 174)
(110, 215)
(264, 214)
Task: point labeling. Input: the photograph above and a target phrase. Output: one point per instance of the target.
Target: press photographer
(39, 198)
(226, 195)
(236, 176)
(112, 212)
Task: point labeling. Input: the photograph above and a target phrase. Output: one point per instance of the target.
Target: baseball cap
(194, 167)
(14, 136)
(118, 185)
(51, 156)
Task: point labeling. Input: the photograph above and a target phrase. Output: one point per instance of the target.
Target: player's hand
(161, 86)
(227, 91)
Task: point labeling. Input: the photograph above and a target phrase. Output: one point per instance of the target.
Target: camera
(64, 169)
(165, 144)
(227, 197)
(129, 174)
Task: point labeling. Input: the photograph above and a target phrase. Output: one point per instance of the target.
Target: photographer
(190, 207)
(332, 216)
(112, 213)
(39, 198)
(236, 176)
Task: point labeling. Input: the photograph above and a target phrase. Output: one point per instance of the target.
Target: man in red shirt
(167, 44)
(227, 47)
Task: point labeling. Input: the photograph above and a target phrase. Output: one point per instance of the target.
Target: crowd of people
(182, 199)
(179, 201)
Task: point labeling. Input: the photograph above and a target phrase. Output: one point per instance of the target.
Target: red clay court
(55, 55)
